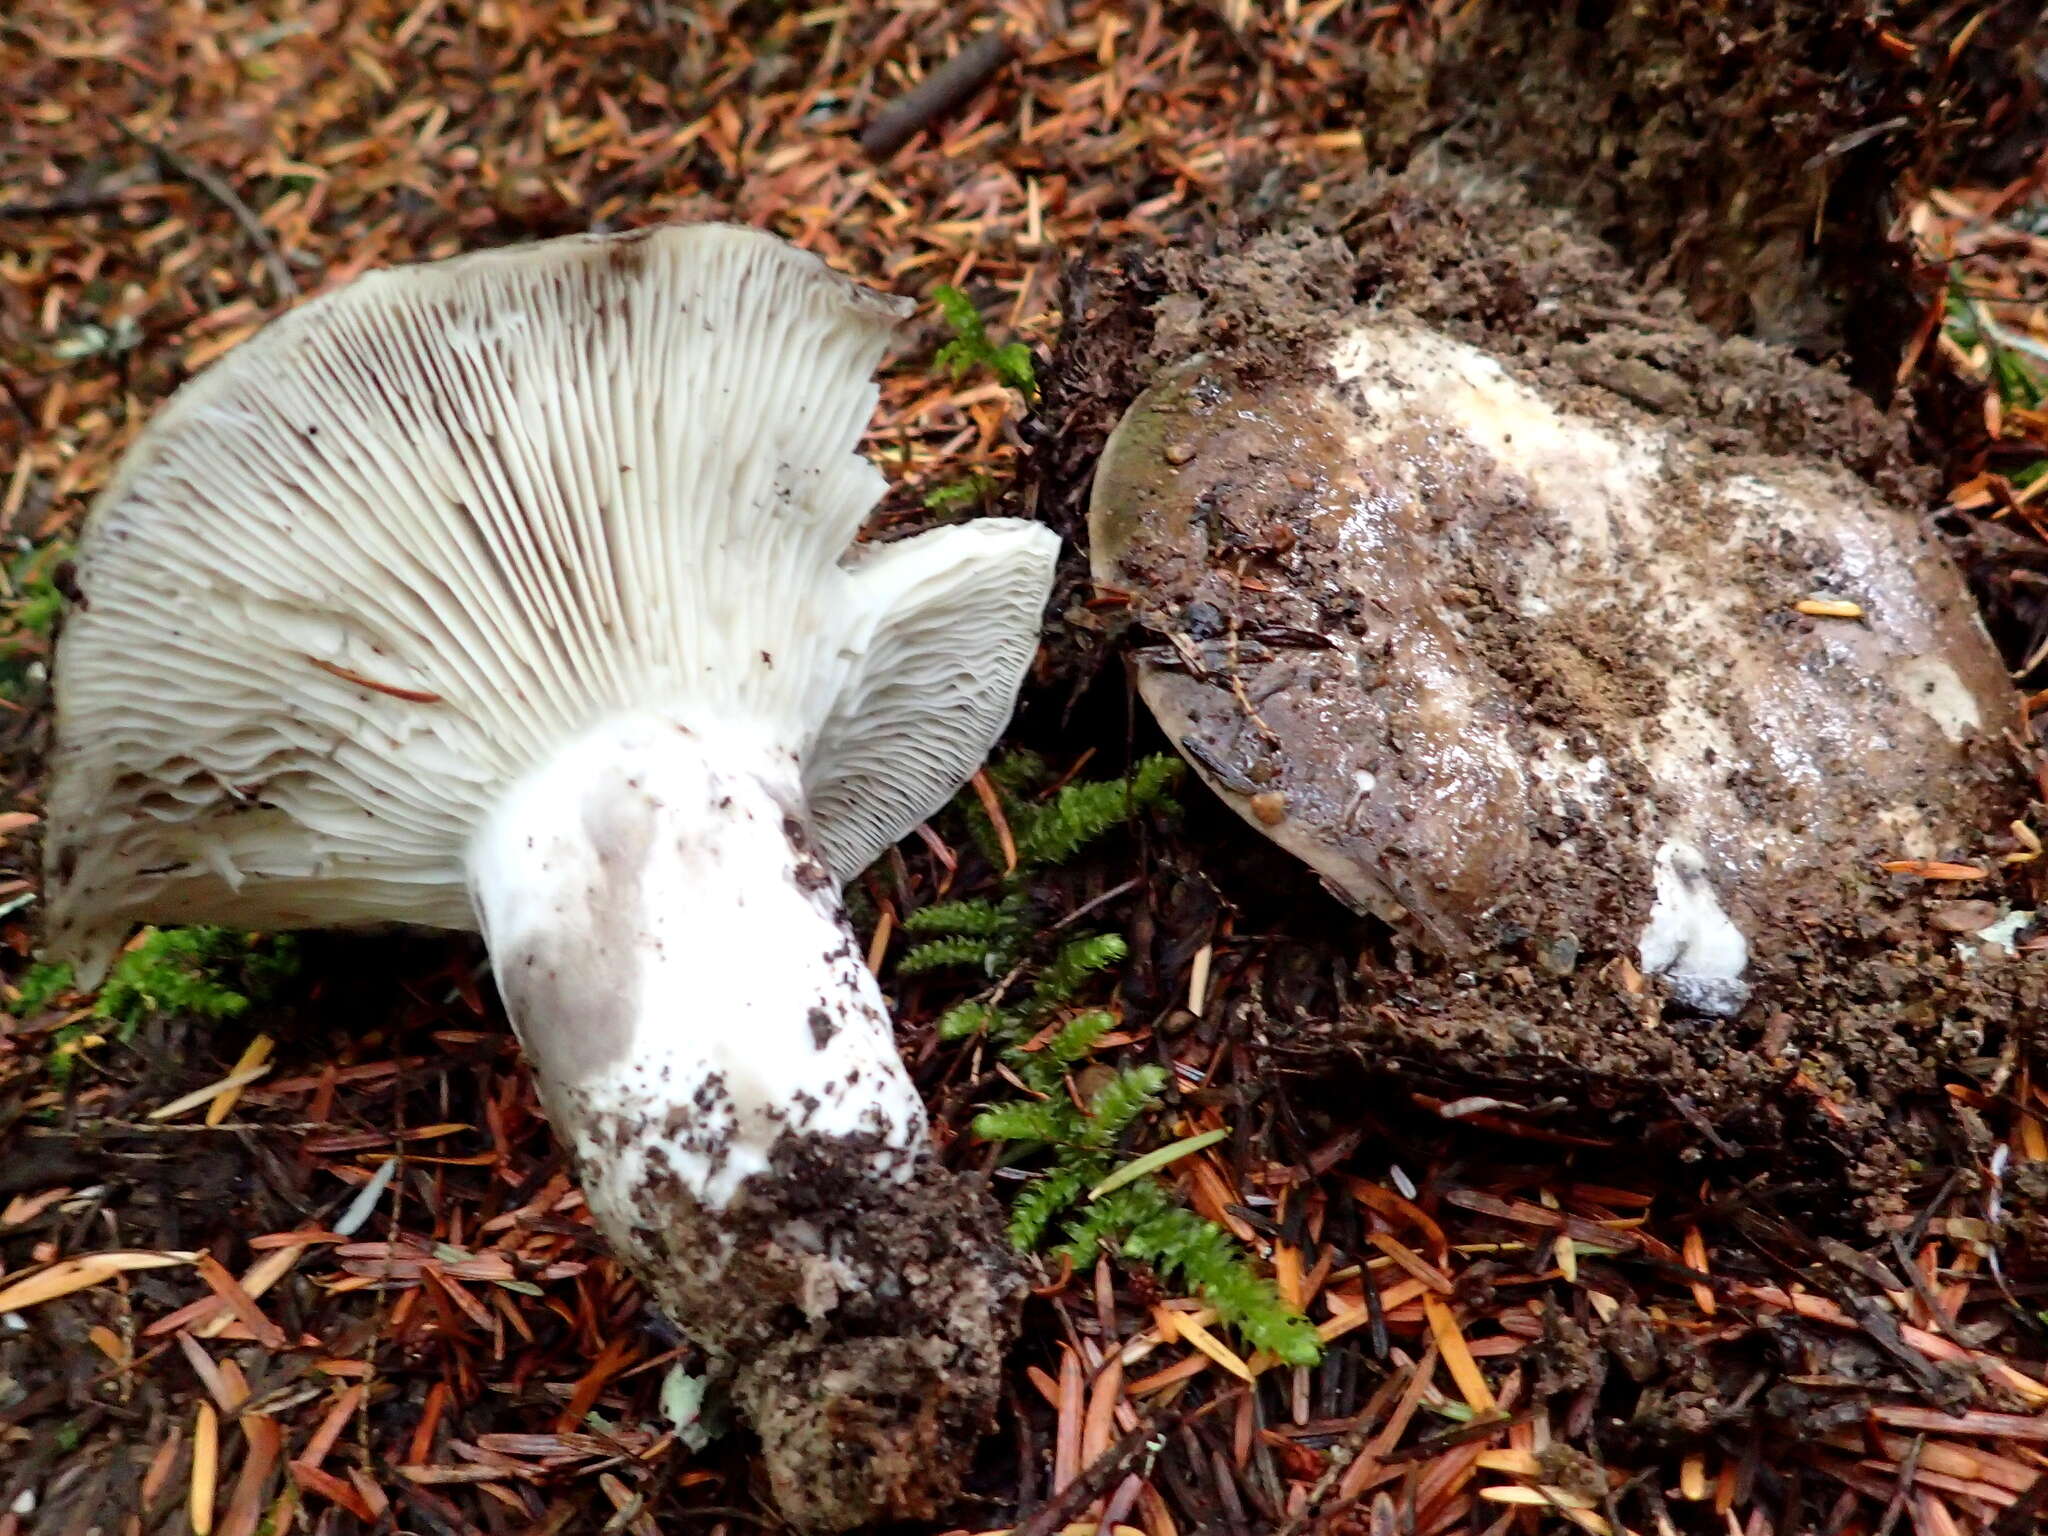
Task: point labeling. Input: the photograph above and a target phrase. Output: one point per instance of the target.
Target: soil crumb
(1753, 154)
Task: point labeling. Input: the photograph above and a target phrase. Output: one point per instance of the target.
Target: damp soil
(1750, 153)
(1856, 1022)
(857, 1303)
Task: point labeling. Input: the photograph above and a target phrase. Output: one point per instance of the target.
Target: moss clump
(212, 973)
(971, 348)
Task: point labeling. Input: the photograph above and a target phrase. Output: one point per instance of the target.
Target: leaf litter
(360, 1289)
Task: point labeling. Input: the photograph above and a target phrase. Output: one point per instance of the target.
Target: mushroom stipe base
(861, 1320)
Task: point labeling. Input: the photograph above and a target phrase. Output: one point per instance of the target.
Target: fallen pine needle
(365, 1202)
(1543, 1497)
(878, 946)
(1156, 1159)
(239, 1302)
(255, 1056)
(1198, 980)
(329, 1431)
(421, 1446)
(1098, 1424)
(1450, 1341)
(1694, 1251)
(1287, 1274)
(245, 1502)
(1692, 1478)
(212, 1374)
(1933, 869)
(68, 1275)
(1047, 1387)
(108, 1343)
(992, 805)
(160, 1464)
(1160, 1380)
(258, 1278)
(205, 1470)
(1399, 1294)
(354, 1499)
(1973, 1421)
(1213, 1347)
(1411, 1261)
(1066, 1458)
(199, 1096)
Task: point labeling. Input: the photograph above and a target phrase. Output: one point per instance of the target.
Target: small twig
(946, 89)
(1097, 901)
(1935, 1310)
(217, 187)
(1094, 1480)
(63, 207)
(1356, 1439)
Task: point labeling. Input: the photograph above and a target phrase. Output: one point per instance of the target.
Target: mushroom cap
(1512, 662)
(386, 557)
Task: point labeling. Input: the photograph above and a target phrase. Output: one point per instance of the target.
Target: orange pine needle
(992, 805)
(1450, 1341)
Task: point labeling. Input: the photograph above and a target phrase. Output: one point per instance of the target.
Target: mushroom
(513, 593)
(1520, 664)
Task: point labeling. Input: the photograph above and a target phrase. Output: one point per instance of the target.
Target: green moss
(971, 348)
(188, 970)
(28, 614)
(213, 973)
(1040, 1041)
(960, 494)
(40, 986)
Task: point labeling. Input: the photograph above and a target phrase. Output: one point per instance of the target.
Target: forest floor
(296, 1251)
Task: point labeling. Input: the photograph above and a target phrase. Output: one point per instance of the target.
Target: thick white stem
(678, 966)
(710, 1044)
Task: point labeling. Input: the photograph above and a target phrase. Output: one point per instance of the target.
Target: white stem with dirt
(676, 960)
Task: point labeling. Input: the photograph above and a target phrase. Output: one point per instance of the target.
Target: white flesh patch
(1932, 686)
(1690, 941)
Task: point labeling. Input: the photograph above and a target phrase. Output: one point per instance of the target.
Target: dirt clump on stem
(860, 1321)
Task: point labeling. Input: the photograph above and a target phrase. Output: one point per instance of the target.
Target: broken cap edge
(961, 616)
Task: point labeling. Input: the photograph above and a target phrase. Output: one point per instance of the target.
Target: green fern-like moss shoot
(214, 973)
(971, 348)
(1081, 1147)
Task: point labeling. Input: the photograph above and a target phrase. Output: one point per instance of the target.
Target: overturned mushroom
(1520, 662)
(514, 593)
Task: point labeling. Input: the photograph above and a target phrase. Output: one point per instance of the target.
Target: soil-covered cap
(383, 559)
